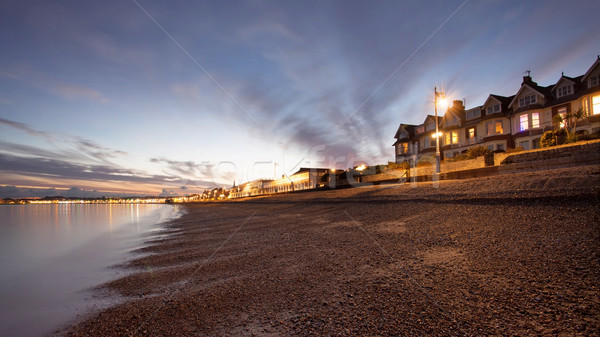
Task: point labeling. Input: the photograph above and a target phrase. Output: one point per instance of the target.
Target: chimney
(527, 77)
(457, 105)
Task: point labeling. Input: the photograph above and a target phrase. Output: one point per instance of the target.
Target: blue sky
(175, 96)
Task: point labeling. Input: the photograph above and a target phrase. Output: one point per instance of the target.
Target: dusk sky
(147, 96)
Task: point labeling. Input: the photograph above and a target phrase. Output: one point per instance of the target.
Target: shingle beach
(515, 254)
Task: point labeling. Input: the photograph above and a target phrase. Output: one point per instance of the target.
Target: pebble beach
(514, 254)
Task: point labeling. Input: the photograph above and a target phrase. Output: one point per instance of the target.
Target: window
(454, 137)
(523, 123)
(564, 90)
(563, 113)
(404, 147)
(493, 109)
(471, 133)
(535, 120)
(499, 128)
(527, 100)
(447, 139)
(473, 113)
(489, 128)
(535, 143)
(500, 147)
(596, 105)
(524, 145)
(426, 142)
(594, 80)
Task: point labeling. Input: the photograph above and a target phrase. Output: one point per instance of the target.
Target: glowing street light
(440, 99)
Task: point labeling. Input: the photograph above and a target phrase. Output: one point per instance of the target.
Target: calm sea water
(51, 256)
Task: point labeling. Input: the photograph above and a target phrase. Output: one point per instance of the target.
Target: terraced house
(506, 122)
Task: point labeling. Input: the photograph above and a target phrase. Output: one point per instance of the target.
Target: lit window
(454, 137)
(563, 113)
(527, 100)
(404, 147)
(535, 120)
(596, 105)
(499, 128)
(523, 123)
(489, 128)
(471, 133)
(447, 138)
(564, 90)
(594, 80)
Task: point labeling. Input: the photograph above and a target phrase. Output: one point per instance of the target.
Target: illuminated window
(523, 123)
(535, 120)
(499, 128)
(596, 105)
(454, 137)
(527, 100)
(447, 138)
(471, 133)
(404, 147)
(563, 113)
(489, 128)
(564, 90)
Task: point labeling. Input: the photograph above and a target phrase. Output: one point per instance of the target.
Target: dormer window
(473, 113)
(527, 100)
(493, 109)
(564, 90)
(594, 80)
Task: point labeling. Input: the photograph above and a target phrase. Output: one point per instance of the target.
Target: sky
(173, 97)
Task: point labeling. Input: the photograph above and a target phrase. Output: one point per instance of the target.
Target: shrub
(553, 138)
(477, 151)
(517, 149)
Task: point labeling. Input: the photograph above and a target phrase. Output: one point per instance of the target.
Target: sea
(53, 256)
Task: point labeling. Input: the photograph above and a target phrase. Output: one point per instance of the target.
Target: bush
(517, 149)
(477, 151)
(553, 138)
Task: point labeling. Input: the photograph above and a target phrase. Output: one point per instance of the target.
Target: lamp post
(437, 132)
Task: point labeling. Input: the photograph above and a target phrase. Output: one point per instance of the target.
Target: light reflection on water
(51, 255)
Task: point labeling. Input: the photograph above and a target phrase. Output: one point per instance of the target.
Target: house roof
(408, 127)
(589, 72)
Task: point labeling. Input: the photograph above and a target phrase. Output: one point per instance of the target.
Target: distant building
(505, 122)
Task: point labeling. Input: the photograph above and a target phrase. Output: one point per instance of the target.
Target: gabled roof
(408, 127)
(544, 91)
(564, 78)
(589, 72)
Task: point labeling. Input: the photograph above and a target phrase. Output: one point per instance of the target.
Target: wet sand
(512, 254)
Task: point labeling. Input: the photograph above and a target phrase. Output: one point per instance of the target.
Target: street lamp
(443, 103)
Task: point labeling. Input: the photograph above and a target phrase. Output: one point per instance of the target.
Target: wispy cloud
(79, 92)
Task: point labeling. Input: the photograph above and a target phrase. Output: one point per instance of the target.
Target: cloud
(78, 92)
(27, 129)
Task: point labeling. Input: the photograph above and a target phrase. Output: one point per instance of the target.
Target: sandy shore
(513, 254)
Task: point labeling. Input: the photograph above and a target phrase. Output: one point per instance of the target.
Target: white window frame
(564, 90)
(596, 105)
(489, 128)
(524, 122)
(535, 120)
(454, 137)
(527, 100)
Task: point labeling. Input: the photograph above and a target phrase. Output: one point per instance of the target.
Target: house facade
(504, 122)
